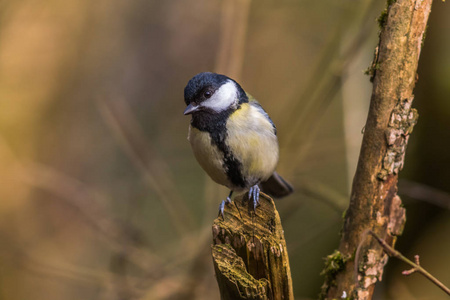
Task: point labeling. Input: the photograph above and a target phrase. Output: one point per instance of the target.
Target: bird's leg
(229, 197)
(254, 193)
(222, 204)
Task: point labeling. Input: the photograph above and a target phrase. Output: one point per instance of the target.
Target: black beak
(190, 109)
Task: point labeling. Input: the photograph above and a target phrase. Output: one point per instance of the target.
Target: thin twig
(410, 271)
(415, 266)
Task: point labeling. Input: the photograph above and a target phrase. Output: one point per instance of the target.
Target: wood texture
(374, 203)
(249, 252)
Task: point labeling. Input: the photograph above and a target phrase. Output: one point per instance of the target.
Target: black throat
(215, 125)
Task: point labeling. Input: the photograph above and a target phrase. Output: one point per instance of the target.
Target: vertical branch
(374, 203)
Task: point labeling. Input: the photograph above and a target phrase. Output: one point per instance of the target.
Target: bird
(233, 138)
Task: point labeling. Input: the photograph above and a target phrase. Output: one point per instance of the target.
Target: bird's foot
(254, 193)
(222, 205)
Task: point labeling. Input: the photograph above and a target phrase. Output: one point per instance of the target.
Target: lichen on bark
(374, 203)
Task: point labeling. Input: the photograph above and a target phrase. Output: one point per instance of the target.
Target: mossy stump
(249, 252)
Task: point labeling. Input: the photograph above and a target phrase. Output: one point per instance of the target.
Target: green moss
(370, 71)
(334, 263)
(382, 19)
(390, 2)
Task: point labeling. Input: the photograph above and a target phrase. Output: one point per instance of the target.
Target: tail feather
(276, 186)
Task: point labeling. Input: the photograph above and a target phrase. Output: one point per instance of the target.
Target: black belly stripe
(231, 164)
(215, 125)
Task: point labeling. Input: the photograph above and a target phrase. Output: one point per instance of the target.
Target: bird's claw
(222, 206)
(254, 193)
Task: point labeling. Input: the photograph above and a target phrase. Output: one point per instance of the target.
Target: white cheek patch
(223, 98)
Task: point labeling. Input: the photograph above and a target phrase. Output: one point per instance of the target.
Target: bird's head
(212, 93)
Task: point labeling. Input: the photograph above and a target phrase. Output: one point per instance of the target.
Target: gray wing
(254, 103)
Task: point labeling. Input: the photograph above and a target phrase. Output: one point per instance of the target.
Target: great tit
(233, 138)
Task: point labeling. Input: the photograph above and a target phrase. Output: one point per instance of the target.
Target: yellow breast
(252, 140)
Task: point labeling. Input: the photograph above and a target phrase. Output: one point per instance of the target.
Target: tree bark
(249, 252)
(374, 203)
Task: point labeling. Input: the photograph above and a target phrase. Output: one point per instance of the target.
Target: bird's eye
(207, 94)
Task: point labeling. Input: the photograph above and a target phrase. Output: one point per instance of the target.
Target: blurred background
(100, 194)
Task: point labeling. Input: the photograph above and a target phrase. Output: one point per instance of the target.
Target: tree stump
(249, 252)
